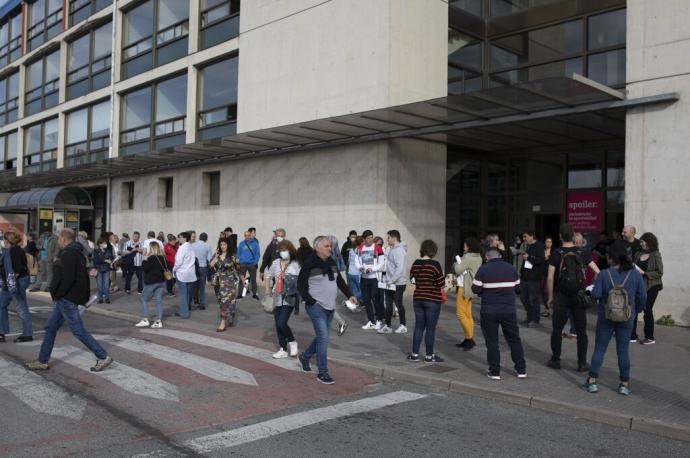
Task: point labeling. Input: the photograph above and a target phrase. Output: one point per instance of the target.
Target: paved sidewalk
(660, 402)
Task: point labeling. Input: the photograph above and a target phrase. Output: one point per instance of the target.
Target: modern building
(443, 119)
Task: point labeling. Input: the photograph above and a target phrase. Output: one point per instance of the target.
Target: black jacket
(70, 277)
(153, 269)
(270, 254)
(536, 255)
(18, 257)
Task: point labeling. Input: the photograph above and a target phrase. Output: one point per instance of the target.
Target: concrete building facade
(151, 123)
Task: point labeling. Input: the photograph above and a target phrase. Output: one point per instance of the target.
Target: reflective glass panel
(50, 134)
(219, 84)
(607, 29)
(584, 170)
(100, 119)
(77, 123)
(171, 12)
(33, 139)
(139, 23)
(102, 40)
(37, 12)
(34, 75)
(12, 145)
(13, 89)
(607, 68)
(79, 52)
(171, 98)
(53, 66)
(137, 108)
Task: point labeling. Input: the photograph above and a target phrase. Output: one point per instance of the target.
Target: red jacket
(170, 252)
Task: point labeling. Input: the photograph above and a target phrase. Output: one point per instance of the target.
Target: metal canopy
(70, 198)
(534, 114)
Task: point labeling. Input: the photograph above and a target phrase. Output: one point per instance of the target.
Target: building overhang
(541, 113)
(72, 198)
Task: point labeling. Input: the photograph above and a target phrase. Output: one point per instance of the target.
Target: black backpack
(571, 273)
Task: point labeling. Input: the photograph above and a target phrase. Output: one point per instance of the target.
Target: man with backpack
(565, 285)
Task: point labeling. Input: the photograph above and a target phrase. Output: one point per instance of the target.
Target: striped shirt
(496, 282)
(428, 279)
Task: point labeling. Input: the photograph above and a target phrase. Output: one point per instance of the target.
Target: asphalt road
(167, 396)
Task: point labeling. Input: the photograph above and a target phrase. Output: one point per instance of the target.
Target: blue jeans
(426, 315)
(605, 331)
(67, 311)
(185, 290)
(353, 283)
(22, 307)
(201, 285)
(156, 290)
(103, 284)
(282, 315)
(370, 298)
(321, 320)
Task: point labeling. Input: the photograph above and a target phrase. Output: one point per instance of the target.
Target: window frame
(12, 50)
(154, 47)
(9, 110)
(89, 154)
(205, 27)
(106, 59)
(45, 90)
(41, 165)
(5, 157)
(46, 25)
(92, 4)
(230, 110)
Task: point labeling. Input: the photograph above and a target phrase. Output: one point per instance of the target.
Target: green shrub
(666, 320)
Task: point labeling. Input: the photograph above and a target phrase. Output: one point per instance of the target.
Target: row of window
(152, 118)
(593, 46)
(210, 183)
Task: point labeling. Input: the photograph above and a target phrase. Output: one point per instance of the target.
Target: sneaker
(342, 328)
(36, 365)
(493, 375)
(553, 364)
(462, 344)
(582, 367)
(624, 389)
(23, 339)
(158, 324)
(590, 387)
(292, 348)
(102, 364)
(385, 329)
(633, 340)
(280, 354)
(369, 326)
(325, 379)
(413, 357)
(521, 375)
(402, 329)
(171, 295)
(144, 323)
(304, 363)
(139, 293)
(648, 342)
(379, 324)
(433, 359)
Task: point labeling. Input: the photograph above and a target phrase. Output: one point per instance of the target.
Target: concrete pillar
(22, 89)
(192, 92)
(62, 94)
(20, 151)
(62, 136)
(656, 159)
(194, 23)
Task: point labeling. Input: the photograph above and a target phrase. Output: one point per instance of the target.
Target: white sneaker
(402, 329)
(369, 326)
(144, 323)
(157, 324)
(352, 307)
(384, 330)
(280, 354)
(378, 325)
(292, 348)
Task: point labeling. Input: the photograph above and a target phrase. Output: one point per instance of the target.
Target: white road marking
(226, 345)
(204, 366)
(258, 431)
(41, 395)
(127, 378)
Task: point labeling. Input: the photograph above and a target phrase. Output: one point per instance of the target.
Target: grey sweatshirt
(396, 265)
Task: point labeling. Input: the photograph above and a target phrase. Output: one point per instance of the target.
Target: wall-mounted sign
(45, 214)
(584, 211)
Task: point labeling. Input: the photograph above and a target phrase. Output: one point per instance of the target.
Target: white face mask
(104, 246)
(280, 239)
(285, 255)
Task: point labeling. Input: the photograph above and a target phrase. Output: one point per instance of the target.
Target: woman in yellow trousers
(466, 268)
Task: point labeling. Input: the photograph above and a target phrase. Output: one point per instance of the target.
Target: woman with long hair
(649, 264)
(14, 280)
(227, 279)
(548, 246)
(280, 281)
(620, 274)
(154, 267)
(466, 269)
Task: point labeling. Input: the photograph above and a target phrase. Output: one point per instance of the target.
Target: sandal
(222, 326)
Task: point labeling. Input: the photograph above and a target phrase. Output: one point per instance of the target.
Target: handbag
(166, 272)
(586, 301)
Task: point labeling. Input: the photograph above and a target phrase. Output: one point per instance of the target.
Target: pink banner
(584, 211)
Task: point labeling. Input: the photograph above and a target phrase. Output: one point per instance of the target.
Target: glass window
(42, 81)
(171, 98)
(9, 98)
(52, 67)
(35, 74)
(45, 22)
(40, 147)
(607, 68)
(100, 119)
(50, 134)
(77, 126)
(8, 151)
(33, 139)
(139, 23)
(537, 45)
(171, 12)
(506, 7)
(79, 53)
(37, 12)
(463, 50)
(138, 108)
(563, 68)
(607, 30)
(10, 39)
(90, 62)
(82, 9)
(214, 188)
(471, 6)
(615, 169)
(219, 21)
(103, 40)
(218, 95)
(584, 170)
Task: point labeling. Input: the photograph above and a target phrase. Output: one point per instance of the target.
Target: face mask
(280, 239)
(104, 246)
(285, 255)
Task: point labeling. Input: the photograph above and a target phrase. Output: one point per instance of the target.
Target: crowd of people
(621, 278)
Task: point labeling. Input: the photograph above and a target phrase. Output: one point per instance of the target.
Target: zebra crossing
(45, 397)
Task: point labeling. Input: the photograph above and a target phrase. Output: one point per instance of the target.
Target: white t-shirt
(146, 243)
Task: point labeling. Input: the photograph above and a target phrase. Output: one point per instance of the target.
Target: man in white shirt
(185, 273)
(203, 254)
(134, 247)
(369, 261)
(151, 238)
